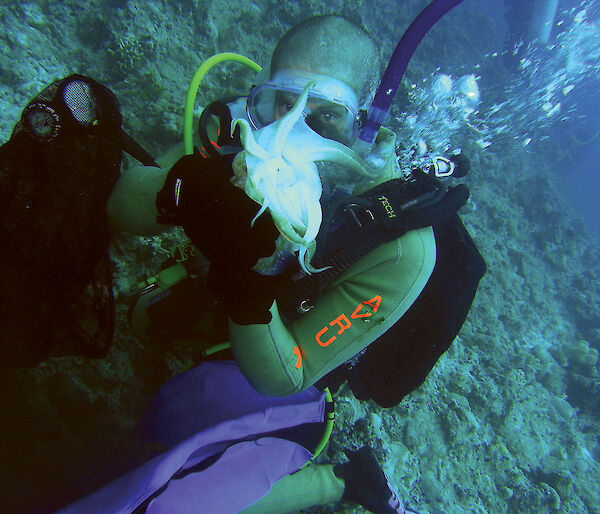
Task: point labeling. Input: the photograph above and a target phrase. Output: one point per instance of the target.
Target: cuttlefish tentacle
(288, 121)
(263, 208)
(248, 141)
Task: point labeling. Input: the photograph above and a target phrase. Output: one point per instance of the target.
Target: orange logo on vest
(343, 323)
(298, 353)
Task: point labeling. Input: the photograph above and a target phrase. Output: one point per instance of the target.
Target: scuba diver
(345, 247)
(329, 262)
(373, 296)
(529, 21)
(533, 25)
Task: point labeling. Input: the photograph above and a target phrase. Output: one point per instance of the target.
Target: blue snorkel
(395, 70)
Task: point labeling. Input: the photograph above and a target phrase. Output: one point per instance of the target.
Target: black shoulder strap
(354, 226)
(137, 151)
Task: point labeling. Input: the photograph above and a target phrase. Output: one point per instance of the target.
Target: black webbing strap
(137, 151)
(360, 224)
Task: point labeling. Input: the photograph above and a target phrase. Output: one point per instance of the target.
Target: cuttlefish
(277, 170)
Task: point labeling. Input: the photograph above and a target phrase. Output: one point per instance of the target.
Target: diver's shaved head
(330, 45)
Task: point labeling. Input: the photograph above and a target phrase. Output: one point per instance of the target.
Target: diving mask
(331, 108)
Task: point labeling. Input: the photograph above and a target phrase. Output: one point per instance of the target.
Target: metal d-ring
(350, 208)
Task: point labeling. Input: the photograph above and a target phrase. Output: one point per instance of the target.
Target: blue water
(571, 58)
(580, 180)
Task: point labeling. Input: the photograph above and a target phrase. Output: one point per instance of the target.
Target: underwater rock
(582, 353)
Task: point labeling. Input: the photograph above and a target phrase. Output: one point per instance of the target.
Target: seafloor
(508, 420)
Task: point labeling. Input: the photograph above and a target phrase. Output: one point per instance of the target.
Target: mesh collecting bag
(57, 172)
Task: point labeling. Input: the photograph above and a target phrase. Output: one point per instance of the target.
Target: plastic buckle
(364, 211)
(448, 168)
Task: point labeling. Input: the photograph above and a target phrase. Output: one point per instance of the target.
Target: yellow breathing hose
(190, 99)
(328, 427)
(216, 348)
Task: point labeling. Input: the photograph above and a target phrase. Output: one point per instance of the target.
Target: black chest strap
(353, 226)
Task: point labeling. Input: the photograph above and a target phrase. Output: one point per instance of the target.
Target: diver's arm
(132, 204)
(365, 301)
(141, 190)
(269, 356)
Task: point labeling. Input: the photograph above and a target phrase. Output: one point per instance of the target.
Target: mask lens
(331, 120)
(284, 102)
(260, 107)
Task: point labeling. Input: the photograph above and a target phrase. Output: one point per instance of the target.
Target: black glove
(245, 294)
(214, 213)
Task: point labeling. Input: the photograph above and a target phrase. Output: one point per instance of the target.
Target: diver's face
(328, 119)
(331, 108)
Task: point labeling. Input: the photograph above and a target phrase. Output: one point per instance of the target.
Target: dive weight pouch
(57, 172)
